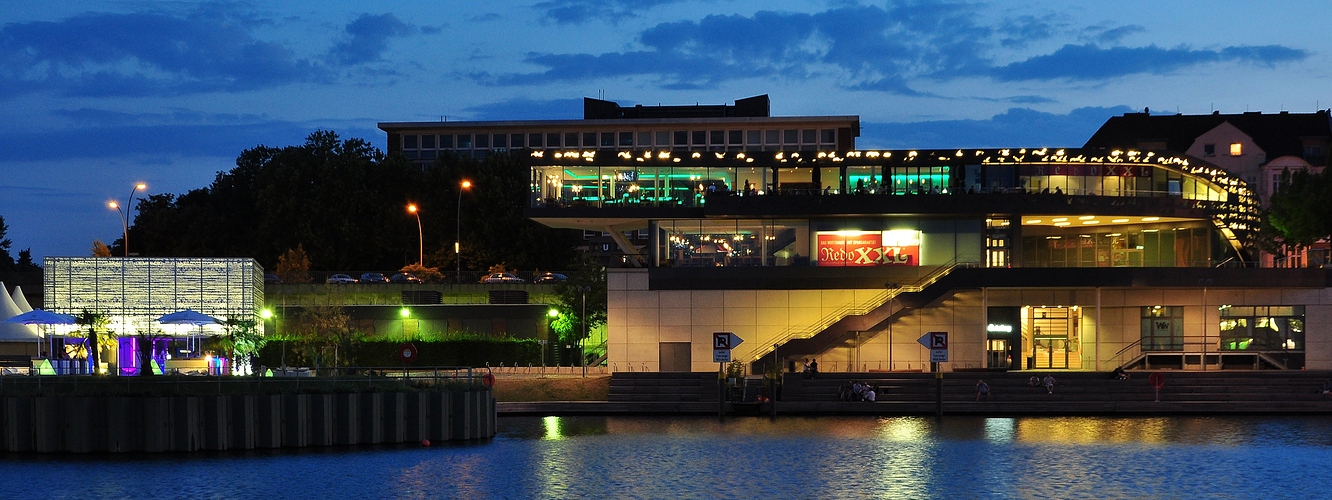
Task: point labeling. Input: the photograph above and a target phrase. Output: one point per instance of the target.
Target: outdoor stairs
(647, 387)
(1093, 393)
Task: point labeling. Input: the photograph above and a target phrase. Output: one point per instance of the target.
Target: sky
(98, 96)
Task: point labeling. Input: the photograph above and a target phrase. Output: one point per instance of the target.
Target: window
(790, 136)
(1262, 328)
(717, 137)
(737, 137)
(446, 141)
(482, 140)
(1162, 328)
(681, 138)
(589, 139)
(663, 138)
(1236, 149)
(1209, 149)
(553, 140)
(534, 140)
(772, 137)
(627, 139)
(409, 142)
(571, 139)
(464, 141)
(827, 136)
(1313, 152)
(608, 139)
(645, 138)
(516, 140)
(754, 137)
(428, 142)
(700, 137)
(808, 136)
(500, 141)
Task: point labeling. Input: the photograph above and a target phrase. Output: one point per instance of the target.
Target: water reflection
(790, 457)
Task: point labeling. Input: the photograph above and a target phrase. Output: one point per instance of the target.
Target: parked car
(502, 278)
(272, 278)
(373, 278)
(404, 278)
(340, 279)
(550, 278)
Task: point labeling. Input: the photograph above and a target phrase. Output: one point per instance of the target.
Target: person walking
(1049, 384)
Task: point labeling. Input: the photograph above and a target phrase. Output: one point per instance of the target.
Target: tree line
(344, 203)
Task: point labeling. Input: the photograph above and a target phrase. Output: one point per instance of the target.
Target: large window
(1262, 328)
(1162, 328)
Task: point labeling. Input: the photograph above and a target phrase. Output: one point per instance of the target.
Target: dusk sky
(100, 95)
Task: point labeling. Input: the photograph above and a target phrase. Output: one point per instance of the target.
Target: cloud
(1089, 62)
(1022, 30)
(582, 11)
(137, 54)
(863, 47)
(1105, 33)
(1017, 127)
(367, 38)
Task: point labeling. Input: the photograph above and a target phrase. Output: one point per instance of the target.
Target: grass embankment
(525, 389)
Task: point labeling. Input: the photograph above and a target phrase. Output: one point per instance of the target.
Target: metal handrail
(876, 301)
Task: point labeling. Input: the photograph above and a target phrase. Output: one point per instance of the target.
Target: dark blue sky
(100, 95)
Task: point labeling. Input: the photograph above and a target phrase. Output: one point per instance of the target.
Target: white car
(340, 279)
(502, 278)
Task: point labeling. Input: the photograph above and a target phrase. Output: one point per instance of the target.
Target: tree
(324, 331)
(95, 322)
(100, 249)
(1298, 213)
(571, 324)
(294, 266)
(6, 260)
(25, 263)
(243, 340)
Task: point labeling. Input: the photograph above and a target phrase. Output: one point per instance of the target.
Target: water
(645, 457)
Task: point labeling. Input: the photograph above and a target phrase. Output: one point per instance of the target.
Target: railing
(874, 302)
(1116, 359)
(341, 379)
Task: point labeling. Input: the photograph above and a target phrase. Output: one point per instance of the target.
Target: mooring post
(938, 389)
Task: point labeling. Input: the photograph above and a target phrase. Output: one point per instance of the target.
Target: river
(701, 457)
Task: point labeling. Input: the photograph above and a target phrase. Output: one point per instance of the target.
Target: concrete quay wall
(68, 424)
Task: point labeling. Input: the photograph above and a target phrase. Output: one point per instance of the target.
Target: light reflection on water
(790, 457)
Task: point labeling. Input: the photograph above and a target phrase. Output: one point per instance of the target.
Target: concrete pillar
(346, 420)
(295, 420)
(372, 417)
(321, 420)
(241, 430)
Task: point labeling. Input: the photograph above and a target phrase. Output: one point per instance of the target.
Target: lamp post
(457, 242)
(582, 341)
(124, 214)
(420, 238)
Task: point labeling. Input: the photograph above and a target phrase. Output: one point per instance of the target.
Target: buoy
(425, 442)
(488, 379)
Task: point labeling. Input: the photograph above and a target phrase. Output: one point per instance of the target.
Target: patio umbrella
(40, 317)
(189, 317)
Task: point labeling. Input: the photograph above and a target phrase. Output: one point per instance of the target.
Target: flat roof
(850, 120)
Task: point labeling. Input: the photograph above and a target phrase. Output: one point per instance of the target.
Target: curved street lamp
(457, 242)
(125, 215)
(420, 238)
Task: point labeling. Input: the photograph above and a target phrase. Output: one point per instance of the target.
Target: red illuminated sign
(869, 248)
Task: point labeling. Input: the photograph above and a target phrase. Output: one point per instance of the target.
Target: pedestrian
(813, 367)
(1049, 384)
(982, 390)
(806, 368)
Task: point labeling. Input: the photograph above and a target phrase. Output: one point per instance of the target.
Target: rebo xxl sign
(898, 247)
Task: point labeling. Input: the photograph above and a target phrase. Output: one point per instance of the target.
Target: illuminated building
(1030, 258)
(133, 292)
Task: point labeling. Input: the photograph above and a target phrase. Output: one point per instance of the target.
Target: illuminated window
(1236, 149)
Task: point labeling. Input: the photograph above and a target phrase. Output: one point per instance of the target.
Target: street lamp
(457, 242)
(124, 214)
(420, 238)
(582, 342)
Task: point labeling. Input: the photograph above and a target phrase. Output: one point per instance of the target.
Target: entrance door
(675, 357)
(996, 351)
(1054, 338)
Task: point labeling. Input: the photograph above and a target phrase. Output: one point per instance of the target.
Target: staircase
(873, 314)
(663, 387)
(1074, 393)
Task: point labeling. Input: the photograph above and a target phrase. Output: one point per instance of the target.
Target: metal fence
(332, 380)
